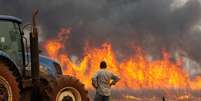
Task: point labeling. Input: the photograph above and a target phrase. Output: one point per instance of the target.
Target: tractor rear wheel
(67, 88)
(9, 90)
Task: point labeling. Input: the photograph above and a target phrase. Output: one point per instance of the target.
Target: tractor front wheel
(67, 88)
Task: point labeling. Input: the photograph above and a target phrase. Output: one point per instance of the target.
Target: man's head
(103, 65)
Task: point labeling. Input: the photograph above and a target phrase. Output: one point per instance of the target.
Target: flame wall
(136, 71)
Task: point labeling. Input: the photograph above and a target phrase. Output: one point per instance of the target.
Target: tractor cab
(11, 42)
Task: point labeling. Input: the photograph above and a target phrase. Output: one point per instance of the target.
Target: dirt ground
(153, 95)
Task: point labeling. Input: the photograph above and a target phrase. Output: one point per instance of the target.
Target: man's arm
(94, 81)
(115, 79)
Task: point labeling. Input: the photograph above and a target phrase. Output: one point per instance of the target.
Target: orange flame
(135, 72)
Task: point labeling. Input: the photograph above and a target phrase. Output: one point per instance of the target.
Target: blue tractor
(42, 80)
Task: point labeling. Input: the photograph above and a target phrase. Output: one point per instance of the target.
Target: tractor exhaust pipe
(35, 94)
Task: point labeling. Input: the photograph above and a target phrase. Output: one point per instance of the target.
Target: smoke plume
(151, 24)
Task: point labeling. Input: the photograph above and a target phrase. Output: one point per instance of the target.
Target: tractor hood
(47, 66)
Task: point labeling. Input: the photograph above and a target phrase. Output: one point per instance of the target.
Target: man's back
(102, 80)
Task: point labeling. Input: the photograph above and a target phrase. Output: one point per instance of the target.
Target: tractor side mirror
(26, 51)
(25, 30)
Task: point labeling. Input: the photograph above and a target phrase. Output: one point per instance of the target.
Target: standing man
(102, 82)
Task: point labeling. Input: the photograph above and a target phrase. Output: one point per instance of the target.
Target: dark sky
(151, 24)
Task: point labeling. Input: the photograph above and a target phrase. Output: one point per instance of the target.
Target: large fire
(136, 72)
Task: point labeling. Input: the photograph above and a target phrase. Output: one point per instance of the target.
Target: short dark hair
(103, 65)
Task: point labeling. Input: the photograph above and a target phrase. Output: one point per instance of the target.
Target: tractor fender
(11, 63)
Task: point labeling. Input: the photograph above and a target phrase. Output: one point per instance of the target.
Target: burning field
(152, 45)
(142, 77)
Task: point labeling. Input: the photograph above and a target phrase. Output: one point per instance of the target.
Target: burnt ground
(153, 95)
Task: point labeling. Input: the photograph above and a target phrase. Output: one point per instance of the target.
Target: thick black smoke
(151, 24)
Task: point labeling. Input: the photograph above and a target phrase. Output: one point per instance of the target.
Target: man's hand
(115, 79)
(94, 86)
(112, 83)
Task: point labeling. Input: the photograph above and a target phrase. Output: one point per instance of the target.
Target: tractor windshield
(10, 40)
